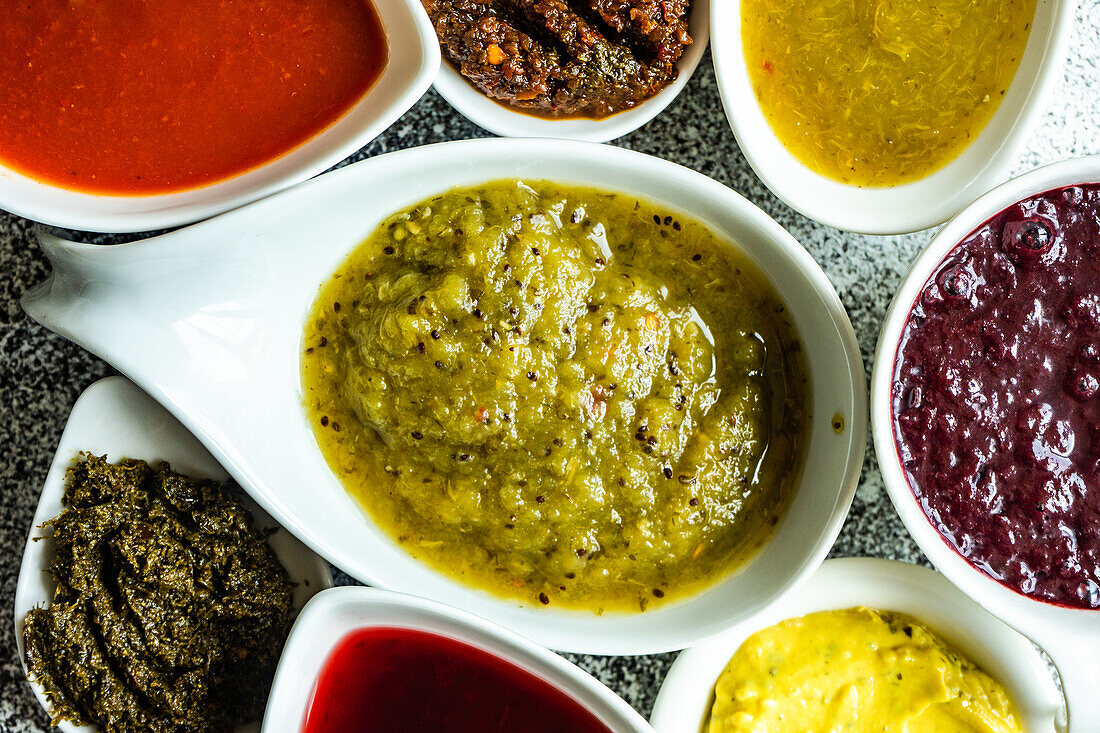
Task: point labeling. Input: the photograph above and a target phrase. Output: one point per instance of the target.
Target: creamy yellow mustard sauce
(856, 670)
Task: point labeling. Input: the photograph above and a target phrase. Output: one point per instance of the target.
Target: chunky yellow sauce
(881, 92)
(859, 671)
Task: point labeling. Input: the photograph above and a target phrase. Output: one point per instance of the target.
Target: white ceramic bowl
(209, 321)
(503, 120)
(913, 206)
(115, 418)
(685, 699)
(333, 614)
(413, 63)
(1070, 636)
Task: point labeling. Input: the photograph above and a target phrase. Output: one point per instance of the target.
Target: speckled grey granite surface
(41, 374)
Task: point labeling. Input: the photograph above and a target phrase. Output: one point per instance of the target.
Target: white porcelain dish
(913, 206)
(685, 699)
(333, 614)
(413, 62)
(503, 120)
(1070, 636)
(115, 418)
(209, 321)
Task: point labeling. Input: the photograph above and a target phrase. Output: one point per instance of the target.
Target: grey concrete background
(41, 374)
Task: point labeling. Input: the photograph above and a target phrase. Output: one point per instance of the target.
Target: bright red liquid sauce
(151, 96)
(389, 680)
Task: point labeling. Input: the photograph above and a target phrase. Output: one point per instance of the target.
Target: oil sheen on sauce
(395, 680)
(131, 97)
(996, 397)
(566, 396)
(881, 92)
(857, 670)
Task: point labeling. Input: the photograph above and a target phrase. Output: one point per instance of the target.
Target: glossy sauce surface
(881, 92)
(395, 680)
(564, 58)
(858, 670)
(151, 96)
(566, 396)
(996, 404)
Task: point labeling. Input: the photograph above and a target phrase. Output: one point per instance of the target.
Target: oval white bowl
(115, 418)
(685, 699)
(209, 320)
(501, 119)
(413, 63)
(913, 206)
(335, 613)
(1070, 636)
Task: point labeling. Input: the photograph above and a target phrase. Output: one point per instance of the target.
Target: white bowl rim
(120, 399)
(314, 636)
(500, 119)
(1068, 635)
(902, 209)
(684, 699)
(412, 66)
(567, 631)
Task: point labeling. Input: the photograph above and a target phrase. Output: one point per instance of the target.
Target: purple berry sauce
(996, 397)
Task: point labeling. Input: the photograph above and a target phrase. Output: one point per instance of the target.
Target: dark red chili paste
(995, 397)
(564, 58)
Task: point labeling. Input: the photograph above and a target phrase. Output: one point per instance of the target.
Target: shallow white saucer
(115, 418)
(413, 63)
(210, 319)
(1070, 636)
(503, 120)
(333, 614)
(898, 209)
(685, 699)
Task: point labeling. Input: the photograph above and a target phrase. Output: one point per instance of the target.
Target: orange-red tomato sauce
(151, 96)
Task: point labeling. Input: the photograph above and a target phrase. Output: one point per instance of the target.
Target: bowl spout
(163, 311)
(75, 268)
(209, 320)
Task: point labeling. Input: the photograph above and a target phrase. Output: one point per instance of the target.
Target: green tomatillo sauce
(558, 394)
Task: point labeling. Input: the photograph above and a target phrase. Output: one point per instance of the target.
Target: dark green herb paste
(170, 611)
(564, 395)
